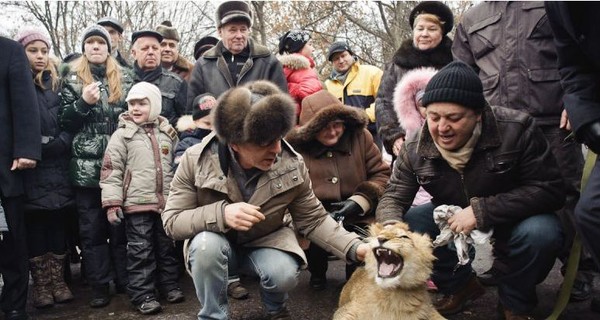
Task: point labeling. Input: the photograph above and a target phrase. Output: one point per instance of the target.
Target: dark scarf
(235, 62)
(409, 57)
(146, 75)
(98, 70)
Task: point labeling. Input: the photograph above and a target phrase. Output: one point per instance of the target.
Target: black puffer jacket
(47, 186)
(405, 59)
(90, 125)
(511, 175)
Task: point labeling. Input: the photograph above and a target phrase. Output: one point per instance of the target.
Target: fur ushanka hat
(437, 8)
(257, 112)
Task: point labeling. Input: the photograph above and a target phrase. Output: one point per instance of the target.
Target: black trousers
(14, 265)
(45, 232)
(151, 258)
(103, 246)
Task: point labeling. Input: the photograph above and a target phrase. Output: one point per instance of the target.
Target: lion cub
(391, 286)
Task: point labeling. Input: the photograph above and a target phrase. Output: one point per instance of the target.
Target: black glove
(590, 136)
(345, 209)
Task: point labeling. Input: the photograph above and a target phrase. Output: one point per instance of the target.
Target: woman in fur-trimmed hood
(429, 46)
(344, 163)
(295, 55)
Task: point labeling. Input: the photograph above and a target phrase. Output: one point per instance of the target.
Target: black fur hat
(437, 8)
(258, 112)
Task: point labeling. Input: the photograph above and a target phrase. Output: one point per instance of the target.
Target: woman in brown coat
(347, 172)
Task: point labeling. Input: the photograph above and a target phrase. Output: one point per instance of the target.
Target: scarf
(458, 159)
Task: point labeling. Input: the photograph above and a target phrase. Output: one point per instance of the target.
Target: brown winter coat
(200, 191)
(351, 168)
(511, 46)
(511, 175)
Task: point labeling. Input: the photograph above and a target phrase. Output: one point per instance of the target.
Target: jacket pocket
(543, 75)
(502, 163)
(538, 27)
(126, 184)
(490, 83)
(483, 35)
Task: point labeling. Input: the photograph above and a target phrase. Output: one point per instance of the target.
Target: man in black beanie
(496, 165)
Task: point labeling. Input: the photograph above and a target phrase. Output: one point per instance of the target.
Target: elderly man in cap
(236, 59)
(231, 194)
(145, 49)
(169, 51)
(115, 29)
(202, 45)
(495, 165)
(354, 84)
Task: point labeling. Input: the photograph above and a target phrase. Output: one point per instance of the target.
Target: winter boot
(60, 291)
(40, 272)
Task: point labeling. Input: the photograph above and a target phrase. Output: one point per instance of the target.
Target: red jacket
(301, 78)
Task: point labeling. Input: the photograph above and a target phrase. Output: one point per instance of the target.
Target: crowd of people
(245, 162)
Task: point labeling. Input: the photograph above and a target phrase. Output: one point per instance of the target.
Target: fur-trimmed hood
(295, 61)
(257, 112)
(186, 123)
(404, 98)
(409, 57)
(354, 119)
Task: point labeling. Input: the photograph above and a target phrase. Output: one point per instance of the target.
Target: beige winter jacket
(200, 192)
(137, 165)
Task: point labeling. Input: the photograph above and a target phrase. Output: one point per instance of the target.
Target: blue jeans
(211, 256)
(527, 250)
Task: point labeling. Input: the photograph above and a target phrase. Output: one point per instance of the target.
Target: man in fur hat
(231, 193)
(236, 59)
(169, 51)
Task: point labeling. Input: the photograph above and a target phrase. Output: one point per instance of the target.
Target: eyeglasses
(335, 125)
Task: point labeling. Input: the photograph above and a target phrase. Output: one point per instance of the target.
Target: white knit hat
(146, 90)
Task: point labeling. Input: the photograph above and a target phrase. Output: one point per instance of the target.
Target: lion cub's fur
(367, 295)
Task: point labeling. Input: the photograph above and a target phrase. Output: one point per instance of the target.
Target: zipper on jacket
(464, 187)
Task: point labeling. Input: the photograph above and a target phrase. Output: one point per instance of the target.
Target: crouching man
(496, 164)
(229, 197)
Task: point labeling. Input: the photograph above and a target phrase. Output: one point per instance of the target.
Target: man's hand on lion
(463, 221)
(241, 216)
(361, 251)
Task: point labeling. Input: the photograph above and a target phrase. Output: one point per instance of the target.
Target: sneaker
(100, 296)
(282, 314)
(149, 306)
(175, 296)
(237, 291)
(318, 283)
(456, 302)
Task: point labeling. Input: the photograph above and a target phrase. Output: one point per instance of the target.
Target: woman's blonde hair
(429, 18)
(113, 75)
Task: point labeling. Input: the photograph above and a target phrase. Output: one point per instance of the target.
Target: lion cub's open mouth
(389, 263)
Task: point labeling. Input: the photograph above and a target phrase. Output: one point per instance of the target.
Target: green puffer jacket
(91, 125)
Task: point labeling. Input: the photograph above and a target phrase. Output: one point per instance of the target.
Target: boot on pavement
(100, 296)
(40, 272)
(60, 290)
(456, 302)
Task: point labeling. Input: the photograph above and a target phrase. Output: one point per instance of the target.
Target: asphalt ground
(304, 303)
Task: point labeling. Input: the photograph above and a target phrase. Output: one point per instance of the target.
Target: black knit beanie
(457, 82)
(293, 41)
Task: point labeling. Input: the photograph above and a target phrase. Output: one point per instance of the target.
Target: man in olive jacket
(496, 165)
(230, 197)
(236, 59)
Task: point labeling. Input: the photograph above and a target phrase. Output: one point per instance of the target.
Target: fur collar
(185, 123)
(354, 119)
(295, 61)
(183, 64)
(409, 57)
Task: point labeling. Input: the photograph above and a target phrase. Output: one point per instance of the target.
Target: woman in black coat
(429, 47)
(48, 192)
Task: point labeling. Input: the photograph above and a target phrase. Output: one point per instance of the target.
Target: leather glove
(115, 215)
(590, 136)
(343, 209)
